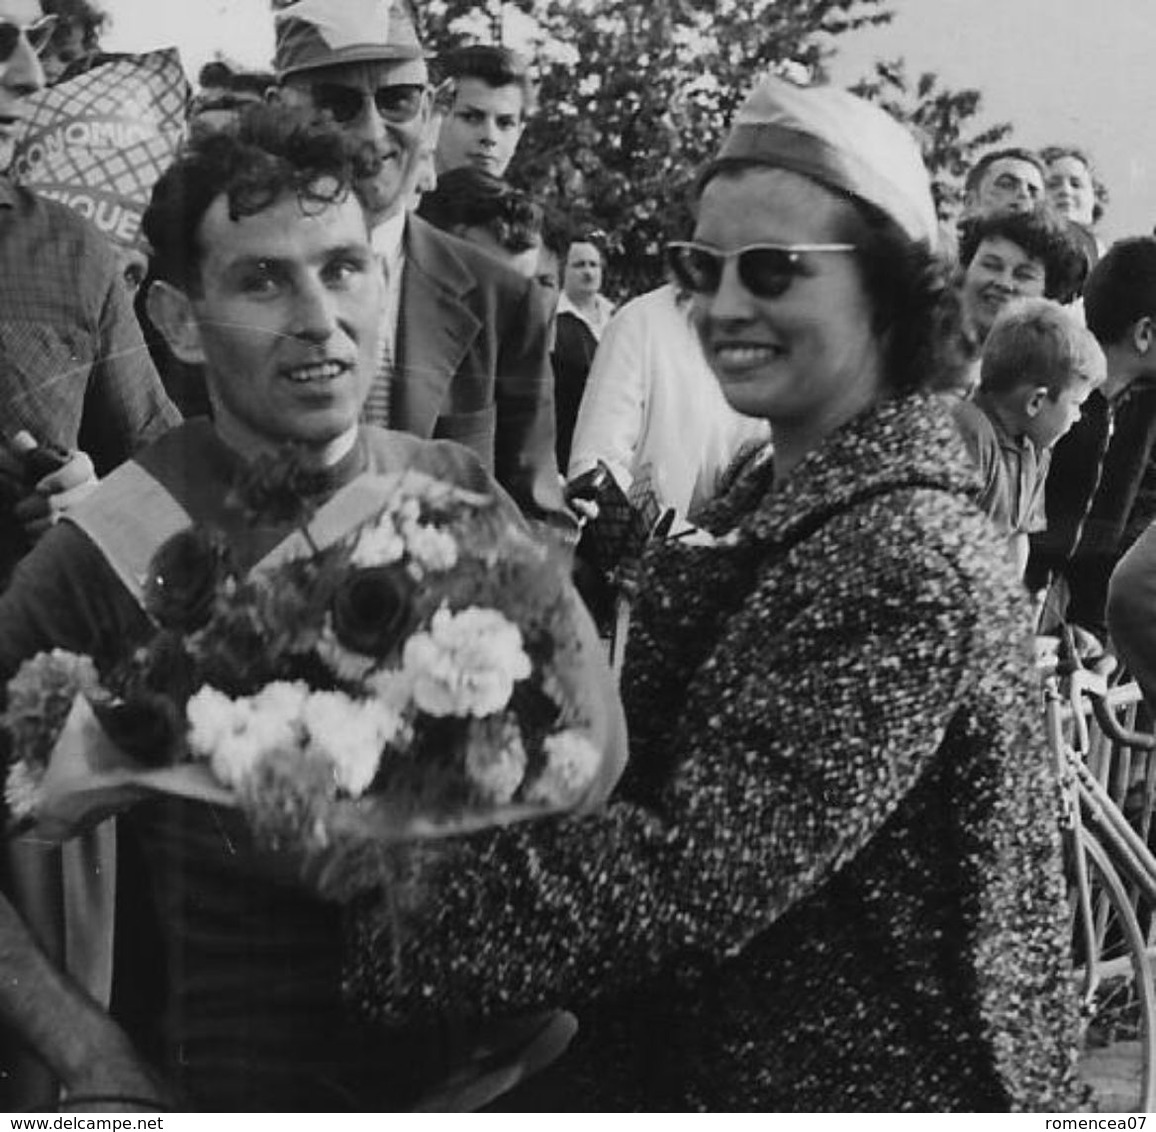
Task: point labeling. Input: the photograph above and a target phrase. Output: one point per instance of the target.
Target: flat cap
(326, 33)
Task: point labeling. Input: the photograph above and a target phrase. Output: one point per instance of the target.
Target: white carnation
(351, 734)
(393, 687)
(497, 772)
(572, 761)
(235, 757)
(210, 716)
(378, 545)
(466, 664)
(235, 734)
(22, 790)
(430, 547)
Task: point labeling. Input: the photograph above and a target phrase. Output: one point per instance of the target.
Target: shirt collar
(597, 322)
(7, 193)
(387, 236)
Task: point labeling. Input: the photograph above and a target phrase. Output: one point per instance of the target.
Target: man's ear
(275, 95)
(1035, 400)
(171, 311)
(1144, 336)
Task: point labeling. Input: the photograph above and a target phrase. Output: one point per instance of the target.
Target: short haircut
(595, 237)
(496, 66)
(976, 173)
(270, 150)
(216, 72)
(1038, 343)
(471, 198)
(1121, 289)
(1043, 235)
(81, 14)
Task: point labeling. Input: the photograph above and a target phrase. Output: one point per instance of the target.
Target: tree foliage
(637, 94)
(941, 121)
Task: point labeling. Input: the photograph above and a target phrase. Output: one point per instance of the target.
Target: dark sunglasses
(399, 102)
(38, 35)
(766, 270)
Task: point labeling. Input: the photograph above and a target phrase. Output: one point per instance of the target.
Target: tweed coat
(830, 878)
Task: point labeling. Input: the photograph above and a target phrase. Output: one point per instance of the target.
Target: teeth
(326, 371)
(744, 355)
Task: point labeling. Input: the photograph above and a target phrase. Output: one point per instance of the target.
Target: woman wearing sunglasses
(830, 878)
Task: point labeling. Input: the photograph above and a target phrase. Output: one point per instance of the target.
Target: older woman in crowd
(830, 879)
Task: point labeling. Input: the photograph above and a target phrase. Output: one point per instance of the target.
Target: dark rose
(147, 728)
(371, 609)
(182, 579)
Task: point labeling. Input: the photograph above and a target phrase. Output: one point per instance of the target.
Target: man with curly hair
(266, 276)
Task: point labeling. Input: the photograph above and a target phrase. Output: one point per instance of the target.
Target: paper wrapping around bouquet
(89, 778)
(98, 142)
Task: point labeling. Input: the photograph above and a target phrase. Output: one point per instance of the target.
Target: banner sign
(98, 142)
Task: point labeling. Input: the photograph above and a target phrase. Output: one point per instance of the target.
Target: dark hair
(471, 198)
(1121, 289)
(595, 237)
(495, 66)
(270, 150)
(216, 72)
(1044, 236)
(916, 310)
(1052, 153)
(76, 14)
(976, 173)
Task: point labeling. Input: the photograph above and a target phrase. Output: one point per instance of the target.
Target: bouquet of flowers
(409, 670)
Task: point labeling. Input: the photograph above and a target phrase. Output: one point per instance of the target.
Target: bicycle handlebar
(1111, 727)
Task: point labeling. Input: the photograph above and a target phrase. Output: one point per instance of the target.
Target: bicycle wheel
(1118, 1054)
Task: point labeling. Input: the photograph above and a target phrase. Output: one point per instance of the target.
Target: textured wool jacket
(830, 879)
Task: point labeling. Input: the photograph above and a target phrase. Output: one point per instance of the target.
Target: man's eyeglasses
(766, 270)
(38, 35)
(399, 102)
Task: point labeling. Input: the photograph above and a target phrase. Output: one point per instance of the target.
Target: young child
(1039, 364)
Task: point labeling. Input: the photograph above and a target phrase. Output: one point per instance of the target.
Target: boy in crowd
(492, 93)
(1038, 367)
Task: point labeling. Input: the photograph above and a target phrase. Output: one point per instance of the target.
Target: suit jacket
(472, 365)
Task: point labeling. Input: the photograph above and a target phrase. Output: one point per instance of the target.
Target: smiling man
(266, 276)
(464, 351)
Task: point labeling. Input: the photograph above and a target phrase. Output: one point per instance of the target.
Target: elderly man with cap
(831, 876)
(464, 340)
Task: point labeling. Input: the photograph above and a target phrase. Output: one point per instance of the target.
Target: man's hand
(50, 485)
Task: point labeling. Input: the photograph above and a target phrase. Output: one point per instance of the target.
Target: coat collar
(908, 441)
(435, 327)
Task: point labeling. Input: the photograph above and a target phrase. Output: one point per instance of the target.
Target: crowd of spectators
(865, 441)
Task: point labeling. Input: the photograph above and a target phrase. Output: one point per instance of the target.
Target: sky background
(1061, 71)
